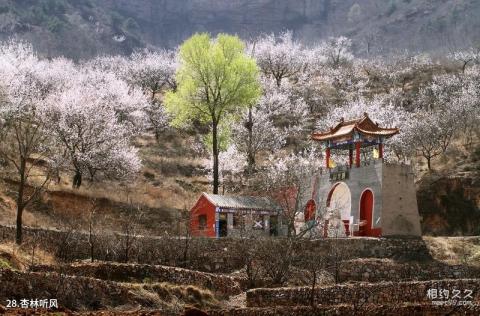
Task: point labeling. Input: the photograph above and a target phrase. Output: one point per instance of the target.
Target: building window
(238, 221)
(202, 222)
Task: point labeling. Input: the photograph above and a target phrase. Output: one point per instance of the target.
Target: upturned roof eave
(380, 132)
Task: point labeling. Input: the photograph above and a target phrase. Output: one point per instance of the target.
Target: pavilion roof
(362, 125)
(242, 202)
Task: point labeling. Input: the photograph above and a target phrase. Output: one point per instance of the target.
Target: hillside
(175, 171)
(85, 28)
(172, 177)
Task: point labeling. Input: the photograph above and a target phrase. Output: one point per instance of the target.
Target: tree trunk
(90, 240)
(20, 203)
(127, 245)
(77, 179)
(250, 154)
(429, 165)
(215, 156)
(185, 251)
(314, 283)
(18, 238)
(278, 81)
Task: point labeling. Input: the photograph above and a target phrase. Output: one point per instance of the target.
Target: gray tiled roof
(242, 202)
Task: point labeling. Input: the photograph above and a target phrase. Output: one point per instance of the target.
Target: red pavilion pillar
(357, 154)
(380, 151)
(327, 158)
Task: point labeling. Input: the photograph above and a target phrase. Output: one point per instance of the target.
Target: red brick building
(221, 215)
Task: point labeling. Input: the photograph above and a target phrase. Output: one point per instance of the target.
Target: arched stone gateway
(371, 197)
(339, 206)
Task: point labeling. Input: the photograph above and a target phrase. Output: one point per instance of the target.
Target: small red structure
(353, 135)
(221, 215)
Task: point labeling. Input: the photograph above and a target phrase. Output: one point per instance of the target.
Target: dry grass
(173, 299)
(168, 182)
(455, 250)
(21, 257)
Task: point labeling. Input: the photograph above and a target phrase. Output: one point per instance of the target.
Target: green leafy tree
(216, 80)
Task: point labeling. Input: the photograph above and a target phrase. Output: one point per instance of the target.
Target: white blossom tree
(311, 88)
(404, 68)
(467, 105)
(153, 72)
(232, 164)
(278, 114)
(431, 132)
(26, 84)
(336, 51)
(258, 133)
(94, 119)
(279, 56)
(286, 180)
(470, 56)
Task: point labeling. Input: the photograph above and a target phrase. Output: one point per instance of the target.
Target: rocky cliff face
(169, 22)
(376, 25)
(449, 206)
(83, 28)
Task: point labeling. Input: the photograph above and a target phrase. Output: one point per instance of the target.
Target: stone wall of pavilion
(395, 208)
(400, 209)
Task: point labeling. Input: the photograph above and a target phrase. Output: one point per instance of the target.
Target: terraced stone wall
(204, 254)
(221, 284)
(359, 294)
(376, 270)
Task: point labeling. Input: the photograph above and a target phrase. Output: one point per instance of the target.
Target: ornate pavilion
(372, 197)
